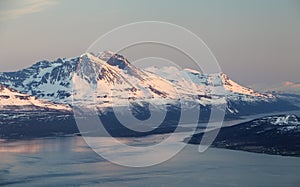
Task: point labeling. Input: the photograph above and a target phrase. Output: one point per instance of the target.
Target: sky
(255, 42)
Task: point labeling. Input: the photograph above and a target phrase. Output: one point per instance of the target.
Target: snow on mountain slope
(12, 99)
(208, 84)
(47, 80)
(236, 88)
(117, 82)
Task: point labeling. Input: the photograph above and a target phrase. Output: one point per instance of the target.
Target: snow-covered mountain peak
(113, 84)
(89, 57)
(93, 69)
(115, 59)
(111, 59)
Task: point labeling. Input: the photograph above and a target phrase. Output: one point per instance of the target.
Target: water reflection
(55, 144)
(26, 148)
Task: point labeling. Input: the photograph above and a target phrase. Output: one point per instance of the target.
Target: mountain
(279, 135)
(114, 80)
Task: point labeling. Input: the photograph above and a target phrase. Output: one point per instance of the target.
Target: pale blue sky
(254, 41)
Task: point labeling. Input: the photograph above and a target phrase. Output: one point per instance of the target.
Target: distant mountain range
(117, 81)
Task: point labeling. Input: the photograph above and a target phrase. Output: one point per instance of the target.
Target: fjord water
(68, 161)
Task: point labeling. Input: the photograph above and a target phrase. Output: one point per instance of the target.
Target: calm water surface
(69, 161)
